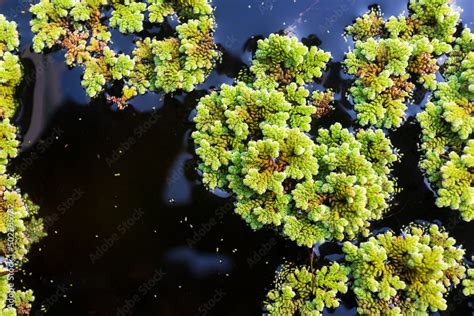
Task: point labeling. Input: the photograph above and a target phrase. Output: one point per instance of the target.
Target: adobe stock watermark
(10, 263)
(140, 292)
(52, 300)
(63, 207)
(336, 15)
(20, 7)
(180, 171)
(39, 148)
(111, 241)
(230, 41)
(207, 226)
(40, 70)
(126, 144)
(209, 305)
(261, 252)
(266, 6)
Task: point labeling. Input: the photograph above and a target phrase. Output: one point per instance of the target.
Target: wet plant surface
(131, 229)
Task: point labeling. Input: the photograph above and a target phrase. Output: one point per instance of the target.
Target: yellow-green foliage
(447, 124)
(391, 56)
(22, 299)
(280, 60)
(252, 141)
(468, 283)
(380, 92)
(174, 63)
(19, 228)
(408, 274)
(302, 291)
(369, 25)
(10, 70)
(434, 19)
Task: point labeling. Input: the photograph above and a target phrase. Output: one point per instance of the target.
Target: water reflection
(93, 130)
(199, 264)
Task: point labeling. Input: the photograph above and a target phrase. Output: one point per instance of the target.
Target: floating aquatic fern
(408, 274)
(281, 60)
(447, 124)
(382, 89)
(369, 25)
(252, 140)
(302, 291)
(391, 56)
(19, 227)
(435, 19)
(179, 62)
(468, 283)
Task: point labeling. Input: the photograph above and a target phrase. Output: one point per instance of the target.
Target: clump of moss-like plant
(178, 62)
(391, 56)
(370, 25)
(407, 274)
(306, 291)
(19, 227)
(252, 139)
(447, 124)
(468, 283)
(411, 273)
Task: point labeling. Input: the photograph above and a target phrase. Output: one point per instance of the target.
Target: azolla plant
(408, 274)
(306, 291)
(411, 273)
(447, 124)
(390, 57)
(252, 139)
(468, 283)
(19, 227)
(180, 61)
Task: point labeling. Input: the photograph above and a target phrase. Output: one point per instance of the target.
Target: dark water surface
(131, 230)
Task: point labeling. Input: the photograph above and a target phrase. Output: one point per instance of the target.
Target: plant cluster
(305, 291)
(468, 283)
(447, 124)
(181, 61)
(252, 139)
(19, 227)
(408, 274)
(391, 56)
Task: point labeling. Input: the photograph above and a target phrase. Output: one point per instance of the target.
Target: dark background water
(131, 229)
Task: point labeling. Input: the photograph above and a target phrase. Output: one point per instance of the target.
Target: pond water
(131, 229)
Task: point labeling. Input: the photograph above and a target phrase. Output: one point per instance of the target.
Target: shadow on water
(131, 229)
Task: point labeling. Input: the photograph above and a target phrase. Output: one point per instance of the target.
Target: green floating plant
(468, 283)
(281, 60)
(382, 87)
(447, 124)
(252, 141)
(22, 299)
(391, 56)
(371, 24)
(302, 291)
(79, 27)
(434, 19)
(408, 274)
(19, 226)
